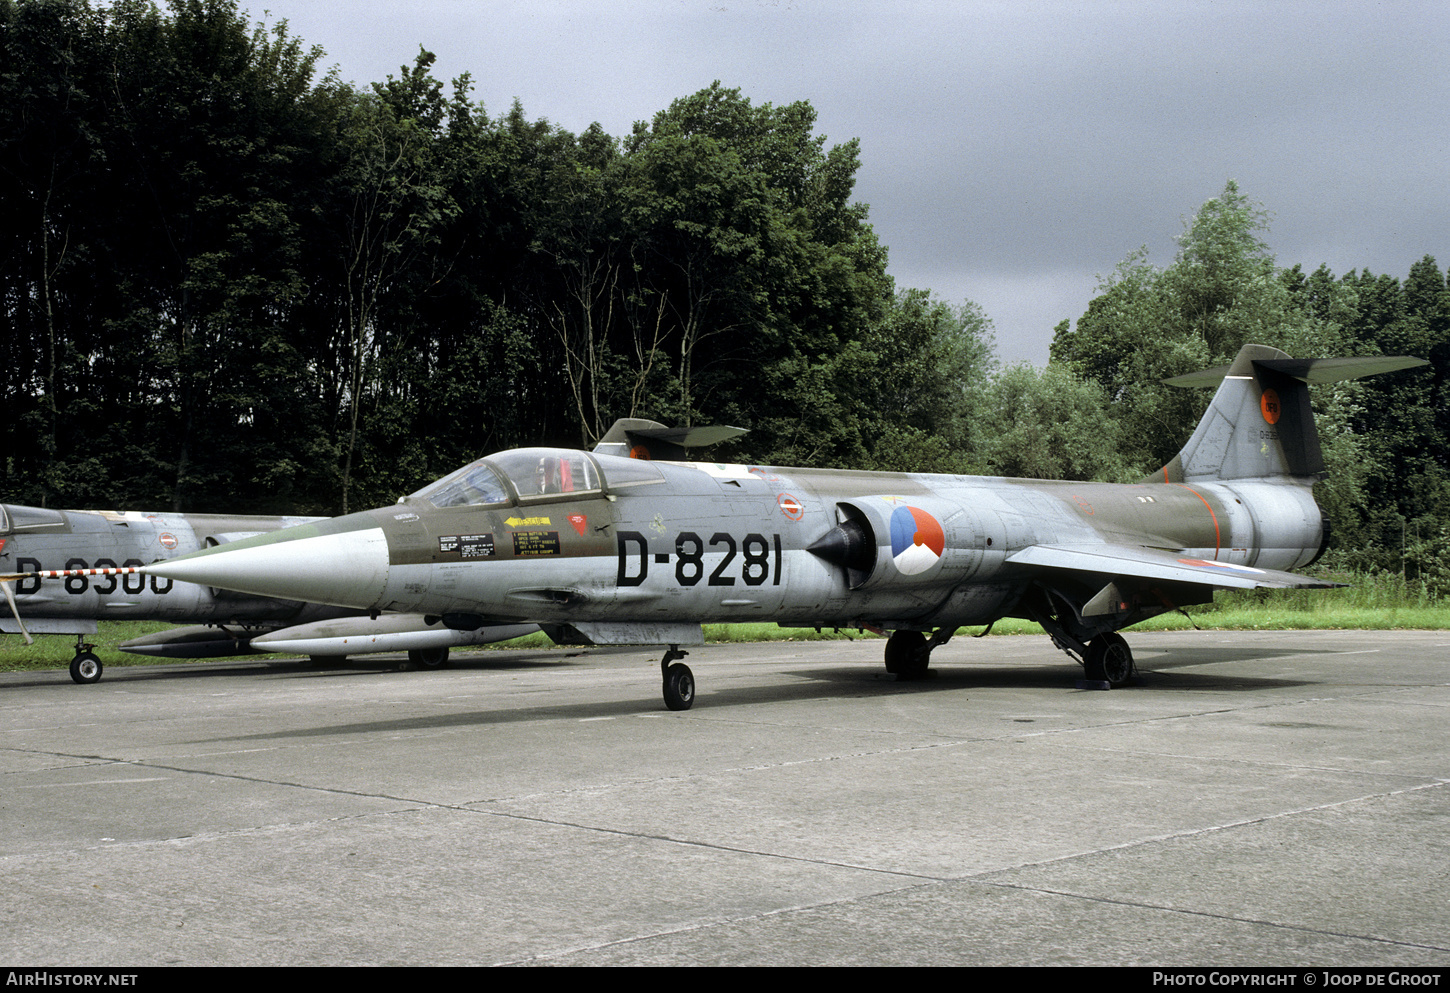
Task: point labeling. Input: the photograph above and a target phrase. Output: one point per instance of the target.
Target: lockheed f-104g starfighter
(606, 549)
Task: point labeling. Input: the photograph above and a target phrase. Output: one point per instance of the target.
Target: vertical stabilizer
(1260, 424)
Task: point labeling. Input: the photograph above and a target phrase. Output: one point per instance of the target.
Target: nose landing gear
(86, 667)
(679, 681)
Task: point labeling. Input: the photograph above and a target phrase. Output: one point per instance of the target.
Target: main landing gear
(1109, 660)
(679, 681)
(908, 653)
(86, 667)
(426, 658)
(1106, 659)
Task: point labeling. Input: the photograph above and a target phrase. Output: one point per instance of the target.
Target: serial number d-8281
(753, 560)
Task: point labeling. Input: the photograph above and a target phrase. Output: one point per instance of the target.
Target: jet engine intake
(895, 541)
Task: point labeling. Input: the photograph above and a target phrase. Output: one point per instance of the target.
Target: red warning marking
(1217, 535)
(580, 522)
(167, 539)
(1269, 405)
(639, 452)
(124, 570)
(790, 506)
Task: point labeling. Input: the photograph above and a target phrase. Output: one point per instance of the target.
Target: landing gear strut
(1105, 659)
(679, 681)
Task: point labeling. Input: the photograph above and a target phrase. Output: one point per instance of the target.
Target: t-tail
(1260, 424)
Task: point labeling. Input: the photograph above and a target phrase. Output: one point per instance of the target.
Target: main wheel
(679, 687)
(1110, 660)
(86, 668)
(428, 658)
(907, 656)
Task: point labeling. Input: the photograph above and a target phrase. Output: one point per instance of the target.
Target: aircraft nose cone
(347, 569)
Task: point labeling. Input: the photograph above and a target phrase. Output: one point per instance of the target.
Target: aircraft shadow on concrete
(1156, 671)
(283, 667)
(646, 703)
(1064, 677)
(711, 700)
(820, 684)
(146, 672)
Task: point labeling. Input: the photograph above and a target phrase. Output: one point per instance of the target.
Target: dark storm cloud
(1010, 152)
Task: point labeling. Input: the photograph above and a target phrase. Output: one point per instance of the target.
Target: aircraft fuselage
(656, 542)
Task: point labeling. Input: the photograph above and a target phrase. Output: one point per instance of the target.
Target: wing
(1141, 562)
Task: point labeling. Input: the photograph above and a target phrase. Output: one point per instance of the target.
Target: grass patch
(54, 651)
(1379, 602)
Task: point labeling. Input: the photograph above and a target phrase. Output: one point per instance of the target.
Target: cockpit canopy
(536, 474)
(14, 517)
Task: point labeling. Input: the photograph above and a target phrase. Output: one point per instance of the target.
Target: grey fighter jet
(35, 540)
(605, 549)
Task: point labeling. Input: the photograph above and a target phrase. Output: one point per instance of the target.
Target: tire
(1110, 660)
(907, 656)
(86, 668)
(679, 687)
(429, 658)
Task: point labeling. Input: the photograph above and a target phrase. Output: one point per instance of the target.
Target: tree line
(230, 282)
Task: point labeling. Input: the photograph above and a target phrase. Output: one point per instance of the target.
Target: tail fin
(1260, 424)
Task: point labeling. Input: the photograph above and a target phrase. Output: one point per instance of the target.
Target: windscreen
(474, 485)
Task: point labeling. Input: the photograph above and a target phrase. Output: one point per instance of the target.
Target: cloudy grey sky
(1011, 152)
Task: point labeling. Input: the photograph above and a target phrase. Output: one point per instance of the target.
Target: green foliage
(1150, 324)
(900, 398)
(237, 287)
(230, 285)
(157, 191)
(1048, 424)
(1383, 439)
(1427, 559)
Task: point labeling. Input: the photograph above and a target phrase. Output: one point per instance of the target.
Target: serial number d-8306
(753, 560)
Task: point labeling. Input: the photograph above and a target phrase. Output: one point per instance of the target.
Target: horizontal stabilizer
(1166, 566)
(1309, 370)
(637, 437)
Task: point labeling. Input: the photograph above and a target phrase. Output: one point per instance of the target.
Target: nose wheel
(86, 668)
(679, 681)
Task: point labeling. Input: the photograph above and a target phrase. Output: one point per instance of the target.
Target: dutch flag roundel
(917, 540)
